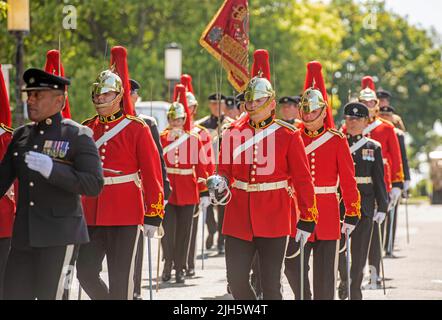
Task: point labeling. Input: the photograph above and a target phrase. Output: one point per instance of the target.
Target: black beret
(37, 79)
(383, 94)
(216, 97)
(386, 109)
(356, 109)
(230, 102)
(134, 85)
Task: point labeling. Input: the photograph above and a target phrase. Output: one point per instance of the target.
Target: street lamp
(172, 65)
(18, 25)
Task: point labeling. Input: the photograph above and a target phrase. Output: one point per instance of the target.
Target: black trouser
(177, 225)
(192, 245)
(214, 226)
(139, 265)
(119, 245)
(5, 244)
(40, 273)
(239, 258)
(388, 220)
(293, 269)
(255, 278)
(360, 238)
(374, 254)
(324, 269)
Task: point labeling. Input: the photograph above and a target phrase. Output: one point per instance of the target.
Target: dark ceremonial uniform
(369, 171)
(49, 221)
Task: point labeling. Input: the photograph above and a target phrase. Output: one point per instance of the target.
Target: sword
(158, 265)
(406, 218)
(149, 255)
(382, 259)
(347, 242)
(301, 248)
(390, 236)
(202, 236)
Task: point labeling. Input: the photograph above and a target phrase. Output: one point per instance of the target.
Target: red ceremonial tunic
(188, 155)
(132, 150)
(278, 157)
(207, 145)
(328, 163)
(7, 206)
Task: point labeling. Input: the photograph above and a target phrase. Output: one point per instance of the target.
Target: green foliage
(407, 59)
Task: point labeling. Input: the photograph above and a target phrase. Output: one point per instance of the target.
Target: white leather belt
(134, 177)
(182, 172)
(364, 180)
(326, 190)
(384, 160)
(257, 187)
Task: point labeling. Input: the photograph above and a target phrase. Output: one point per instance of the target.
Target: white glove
(149, 230)
(347, 227)
(204, 203)
(406, 185)
(302, 234)
(39, 162)
(395, 195)
(379, 217)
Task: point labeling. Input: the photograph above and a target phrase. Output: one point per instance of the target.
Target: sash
(319, 142)
(371, 127)
(176, 143)
(255, 139)
(112, 132)
(358, 145)
(2, 131)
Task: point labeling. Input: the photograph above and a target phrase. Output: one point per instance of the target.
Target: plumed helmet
(107, 81)
(176, 111)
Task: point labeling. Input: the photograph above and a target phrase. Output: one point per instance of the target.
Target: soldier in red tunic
(206, 140)
(185, 164)
(331, 166)
(7, 202)
(259, 157)
(133, 191)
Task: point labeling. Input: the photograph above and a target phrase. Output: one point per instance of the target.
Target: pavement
(415, 273)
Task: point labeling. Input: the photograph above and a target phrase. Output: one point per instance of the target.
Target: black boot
(167, 271)
(209, 241)
(190, 272)
(179, 275)
(343, 290)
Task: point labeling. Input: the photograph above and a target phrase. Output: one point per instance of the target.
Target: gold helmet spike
(312, 100)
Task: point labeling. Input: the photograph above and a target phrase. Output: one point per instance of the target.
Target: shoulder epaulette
(162, 133)
(82, 129)
(387, 122)
(282, 123)
(6, 128)
(148, 118)
(89, 120)
(337, 133)
(139, 120)
(378, 144)
(198, 122)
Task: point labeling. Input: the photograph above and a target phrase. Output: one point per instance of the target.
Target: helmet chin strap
(113, 103)
(316, 123)
(260, 108)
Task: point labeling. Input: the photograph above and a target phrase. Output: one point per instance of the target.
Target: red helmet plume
(5, 110)
(368, 82)
(261, 64)
(179, 94)
(186, 81)
(53, 65)
(119, 63)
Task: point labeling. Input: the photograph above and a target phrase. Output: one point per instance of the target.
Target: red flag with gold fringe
(227, 39)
